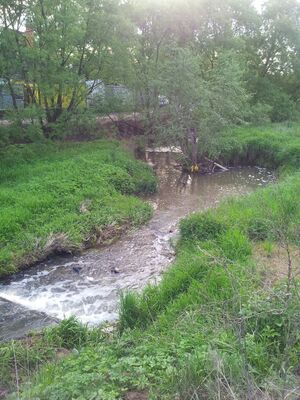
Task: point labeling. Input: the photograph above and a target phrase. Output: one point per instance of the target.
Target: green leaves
(66, 43)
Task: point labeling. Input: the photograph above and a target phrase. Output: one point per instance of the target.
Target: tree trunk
(12, 94)
(194, 145)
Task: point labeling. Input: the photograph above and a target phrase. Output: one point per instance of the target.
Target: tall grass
(63, 197)
(271, 146)
(213, 328)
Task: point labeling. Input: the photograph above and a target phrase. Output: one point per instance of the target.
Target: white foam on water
(91, 291)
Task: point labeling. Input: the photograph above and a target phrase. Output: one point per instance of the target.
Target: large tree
(147, 44)
(65, 43)
(204, 99)
(273, 59)
(187, 52)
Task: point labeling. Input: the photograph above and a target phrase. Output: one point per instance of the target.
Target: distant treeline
(216, 63)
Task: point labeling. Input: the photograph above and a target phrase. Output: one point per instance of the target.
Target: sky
(258, 3)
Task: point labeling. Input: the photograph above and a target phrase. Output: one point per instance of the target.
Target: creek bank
(273, 146)
(86, 286)
(59, 198)
(193, 336)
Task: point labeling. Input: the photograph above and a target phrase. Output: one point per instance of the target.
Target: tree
(153, 29)
(11, 41)
(65, 44)
(274, 58)
(191, 32)
(203, 99)
(139, 43)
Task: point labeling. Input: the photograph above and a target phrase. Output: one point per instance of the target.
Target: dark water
(89, 285)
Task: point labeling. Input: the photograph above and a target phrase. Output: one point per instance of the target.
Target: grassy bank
(64, 197)
(213, 328)
(274, 146)
(222, 324)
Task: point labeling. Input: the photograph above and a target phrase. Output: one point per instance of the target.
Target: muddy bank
(89, 285)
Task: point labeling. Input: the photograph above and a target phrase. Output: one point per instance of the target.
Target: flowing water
(89, 285)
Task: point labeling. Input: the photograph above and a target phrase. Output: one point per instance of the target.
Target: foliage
(55, 197)
(206, 330)
(212, 64)
(200, 227)
(211, 328)
(273, 59)
(219, 64)
(54, 59)
(272, 146)
(235, 245)
(79, 124)
(201, 101)
(29, 354)
(70, 334)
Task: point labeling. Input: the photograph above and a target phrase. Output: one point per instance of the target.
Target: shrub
(142, 175)
(81, 124)
(201, 227)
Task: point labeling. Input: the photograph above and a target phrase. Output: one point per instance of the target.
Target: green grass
(63, 197)
(272, 146)
(211, 329)
(208, 321)
(29, 354)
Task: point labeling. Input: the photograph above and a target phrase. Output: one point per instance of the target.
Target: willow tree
(180, 55)
(204, 99)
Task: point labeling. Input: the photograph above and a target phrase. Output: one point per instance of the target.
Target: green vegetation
(64, 197)
(213, 328)
(190, 330)
(271, 146)
(212, 64)
(26, 356)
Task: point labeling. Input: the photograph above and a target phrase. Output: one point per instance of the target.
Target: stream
(89, 285)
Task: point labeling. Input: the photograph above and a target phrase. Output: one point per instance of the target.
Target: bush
(23, 127)
(119, 179)
(81, 124)
(142, 175)
(201, 227)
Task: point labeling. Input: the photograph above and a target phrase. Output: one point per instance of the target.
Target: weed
(69, 334)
